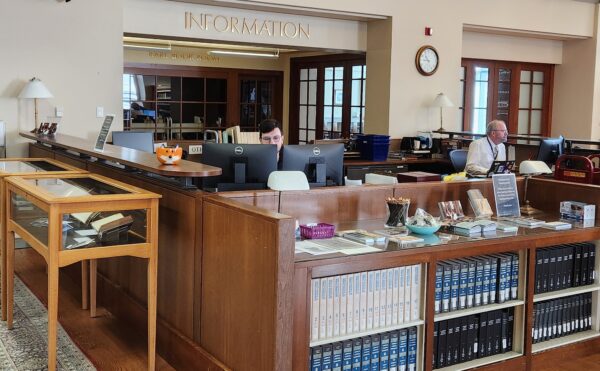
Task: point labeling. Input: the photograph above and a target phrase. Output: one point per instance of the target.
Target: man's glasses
(275, 139)
(502, 130)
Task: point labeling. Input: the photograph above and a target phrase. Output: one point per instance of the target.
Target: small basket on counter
(317, 231)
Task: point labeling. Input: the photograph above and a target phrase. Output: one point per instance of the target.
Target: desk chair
(287, 181)
(458, 157)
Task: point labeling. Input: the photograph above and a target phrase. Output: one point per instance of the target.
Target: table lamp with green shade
(35, 89)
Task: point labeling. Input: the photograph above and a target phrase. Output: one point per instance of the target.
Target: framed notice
(103, 133)
(506, 195)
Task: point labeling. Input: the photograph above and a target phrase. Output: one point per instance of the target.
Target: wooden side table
(30, 166)
(77, 217)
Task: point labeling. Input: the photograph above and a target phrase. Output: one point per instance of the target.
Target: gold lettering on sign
(246, 26)
(184, 56)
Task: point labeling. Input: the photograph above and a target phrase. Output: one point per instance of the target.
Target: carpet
(25, 346)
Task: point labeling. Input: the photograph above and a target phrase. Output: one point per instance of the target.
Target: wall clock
(427, 60)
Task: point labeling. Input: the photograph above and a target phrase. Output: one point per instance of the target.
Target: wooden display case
(26, 166)
(71, 218)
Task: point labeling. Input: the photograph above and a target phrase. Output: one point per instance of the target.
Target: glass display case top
(75, 187)
(33, 166)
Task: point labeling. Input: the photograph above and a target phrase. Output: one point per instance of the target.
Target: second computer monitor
(323, 164)
(140, 140)
(243, 166)
(550, 150)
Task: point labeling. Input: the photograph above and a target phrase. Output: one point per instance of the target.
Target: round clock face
(427, 60)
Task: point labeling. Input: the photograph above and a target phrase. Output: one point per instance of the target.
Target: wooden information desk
(52, 212)
(231, 290)
(264, 322)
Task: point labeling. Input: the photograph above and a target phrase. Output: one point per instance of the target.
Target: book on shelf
(392, 232)
(362, 236)
(474, 227)
(480, 205)
(557, 225)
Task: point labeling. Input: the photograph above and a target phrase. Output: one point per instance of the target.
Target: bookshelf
(481, 362)
(476, 310)
(566, 292)
(581, 336)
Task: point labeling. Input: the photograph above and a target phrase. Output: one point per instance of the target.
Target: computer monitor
(243, 166)
(322, 163)
(550, 150)
(140, 140)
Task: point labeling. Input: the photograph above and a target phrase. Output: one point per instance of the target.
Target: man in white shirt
(484, 151)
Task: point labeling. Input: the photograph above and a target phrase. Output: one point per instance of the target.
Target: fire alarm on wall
(428, 31)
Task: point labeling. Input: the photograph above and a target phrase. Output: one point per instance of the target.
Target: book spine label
(389, 300)
(454, 286)
(364, 291)
(407, 293)
(314, 308)
(343, 304)
(336, 306)
(323, 310)
(479, 282)
(415, 293)
(462, 286)
(439, 274)
(376, 300)
(446, 287)
(356, 306)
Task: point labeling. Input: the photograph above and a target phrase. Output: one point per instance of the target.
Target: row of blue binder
(564, 266)
(387, 351)
(475, 281)
(561, 317)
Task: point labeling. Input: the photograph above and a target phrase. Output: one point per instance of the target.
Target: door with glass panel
(327, 98)
(257, 100)
(517, 93)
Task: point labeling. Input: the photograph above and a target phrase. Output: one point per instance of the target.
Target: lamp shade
(529, 167)
(35, 88)
(441, 100)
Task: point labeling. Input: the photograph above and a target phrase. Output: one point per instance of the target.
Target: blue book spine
(514, 281)
(485, 292)
(454, 287)
(471, 284)
(316, 357)
(337, 357)
(375, 352)
(446, 285)
(504, 279)
(402, 350)
(394, 351)
(347, 355)
(412, 349)
(366, 354)
(479, 282)
(356, 354)
(439, 275)
(462, 286)
(493, 279)
(327, 357)
(384, 355)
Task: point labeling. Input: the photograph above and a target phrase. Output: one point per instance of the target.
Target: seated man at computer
(484, 151)
(271, 133)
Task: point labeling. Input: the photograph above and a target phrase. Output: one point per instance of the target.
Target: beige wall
(511, 48)
(75, 49)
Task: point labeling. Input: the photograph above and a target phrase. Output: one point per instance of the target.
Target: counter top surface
(443, 240)
(126, 156)
(395, 161)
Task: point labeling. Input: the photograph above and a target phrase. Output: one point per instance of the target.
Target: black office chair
(459, 159)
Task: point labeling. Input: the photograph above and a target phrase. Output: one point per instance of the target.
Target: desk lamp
(528, 169)
(35, 89)
(287, 181)
(441, 100)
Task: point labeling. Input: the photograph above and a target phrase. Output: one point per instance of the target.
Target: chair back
(458, 157)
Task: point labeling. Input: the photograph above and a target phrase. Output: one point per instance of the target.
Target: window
(180, 102)
(327, 98)
(517, 93)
